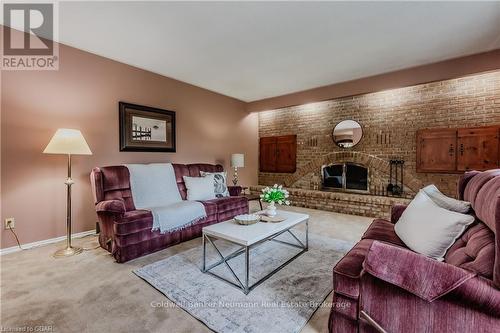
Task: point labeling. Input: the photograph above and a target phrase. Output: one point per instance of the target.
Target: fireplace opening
(349, 177)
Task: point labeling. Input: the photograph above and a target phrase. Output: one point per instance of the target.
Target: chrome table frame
(245, 249)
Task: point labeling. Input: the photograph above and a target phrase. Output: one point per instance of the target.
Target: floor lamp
(68, 142)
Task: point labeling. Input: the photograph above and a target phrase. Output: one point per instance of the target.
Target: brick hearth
(347, 203)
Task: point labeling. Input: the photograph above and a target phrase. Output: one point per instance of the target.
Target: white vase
(271, 209)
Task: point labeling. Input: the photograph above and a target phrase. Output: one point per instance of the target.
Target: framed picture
(143, 128)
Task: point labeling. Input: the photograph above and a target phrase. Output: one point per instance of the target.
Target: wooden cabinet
(458, 150)
(278, 154)
(286, 153)
(268, 154)
(477, 148)
(436, 150)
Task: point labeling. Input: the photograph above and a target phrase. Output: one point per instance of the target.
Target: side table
(252, 197)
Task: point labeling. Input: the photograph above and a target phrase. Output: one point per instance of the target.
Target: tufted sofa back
(478, 249)
(113, 182)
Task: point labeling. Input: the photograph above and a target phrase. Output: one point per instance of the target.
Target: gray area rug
(283, 303)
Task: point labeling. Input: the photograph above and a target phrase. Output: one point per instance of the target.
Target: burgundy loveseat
(126, 231)
(381, 282)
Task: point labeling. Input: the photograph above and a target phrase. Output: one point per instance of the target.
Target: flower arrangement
(276, 194)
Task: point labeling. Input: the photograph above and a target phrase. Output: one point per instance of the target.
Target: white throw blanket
(154, 188)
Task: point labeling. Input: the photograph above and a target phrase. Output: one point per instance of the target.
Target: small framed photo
(143, 128)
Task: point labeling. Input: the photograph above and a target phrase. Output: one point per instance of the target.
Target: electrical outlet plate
(10, 223)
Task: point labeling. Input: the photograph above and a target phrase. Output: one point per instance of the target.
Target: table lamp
(68, 142)
(237, 161)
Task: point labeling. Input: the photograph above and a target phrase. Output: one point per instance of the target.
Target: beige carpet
(92, 293)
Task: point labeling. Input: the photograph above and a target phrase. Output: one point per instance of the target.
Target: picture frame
(146, 129)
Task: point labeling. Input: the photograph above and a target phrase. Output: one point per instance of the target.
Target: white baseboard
(44, 242)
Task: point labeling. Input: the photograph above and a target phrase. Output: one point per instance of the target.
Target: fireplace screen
(345, 176)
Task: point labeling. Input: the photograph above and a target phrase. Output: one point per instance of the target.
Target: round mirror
(347, 133)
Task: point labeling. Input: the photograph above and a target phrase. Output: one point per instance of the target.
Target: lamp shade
(68, 141)
(237, 160)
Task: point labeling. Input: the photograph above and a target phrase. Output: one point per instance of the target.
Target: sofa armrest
(234, 191)
(110, 206)
(396, 212)
(424, 277)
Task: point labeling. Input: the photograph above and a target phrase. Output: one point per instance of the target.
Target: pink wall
(84, 94)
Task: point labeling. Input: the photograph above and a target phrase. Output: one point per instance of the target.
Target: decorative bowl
(247, 219)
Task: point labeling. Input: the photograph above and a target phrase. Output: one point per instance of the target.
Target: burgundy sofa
(381, 282)
(126, 231)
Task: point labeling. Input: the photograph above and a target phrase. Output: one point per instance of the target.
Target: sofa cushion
(228, 207)
(474, 251)
(192, 170)
(446, 202)
(429, 229)
(421, 276)
(210, 208)
(200, 188)
(220, 183)
(382, 230)
(142, 220)
(133, 245)
(134, 221)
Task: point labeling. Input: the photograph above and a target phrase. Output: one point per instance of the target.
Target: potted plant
(274, 195)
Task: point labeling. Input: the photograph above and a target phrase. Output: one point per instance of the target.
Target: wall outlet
(10, 222)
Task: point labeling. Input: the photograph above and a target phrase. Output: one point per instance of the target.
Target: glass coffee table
(248, 237)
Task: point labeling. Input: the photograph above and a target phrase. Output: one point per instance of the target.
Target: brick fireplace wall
(389, 120)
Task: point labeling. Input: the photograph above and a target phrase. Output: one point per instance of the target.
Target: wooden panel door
(436, 150)
(267, 151)
(477, 148)
(286, 153)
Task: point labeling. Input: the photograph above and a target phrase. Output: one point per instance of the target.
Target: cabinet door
(286, 153)
(436, 150)
(267, 158)
(477, 148)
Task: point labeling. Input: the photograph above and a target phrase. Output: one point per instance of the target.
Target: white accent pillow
(445, 202)
(200, 188)
(429, 229)
(220, 186)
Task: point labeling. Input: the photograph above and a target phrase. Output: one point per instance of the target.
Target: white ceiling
(256, 50)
